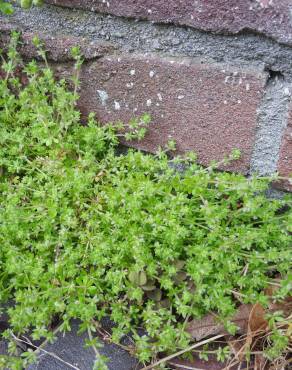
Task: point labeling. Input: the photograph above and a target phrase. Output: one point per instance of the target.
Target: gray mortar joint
(242, 50)
(272, 121)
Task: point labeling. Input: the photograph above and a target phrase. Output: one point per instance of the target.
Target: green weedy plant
(88, 234)
(7, 7)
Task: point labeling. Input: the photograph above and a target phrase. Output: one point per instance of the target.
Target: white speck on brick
(265, 3)
(226, 79)
(149, 103)
(132, 72)
(149, 11)
(103, 96)
(130, 85)
(247, 87)
(239, 101)
(117, 105)
(180, 97)
(151, 74)
(287, 91)
(159, 97)
(225, 102)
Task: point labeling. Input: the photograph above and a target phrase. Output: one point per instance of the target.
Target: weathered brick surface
(285, 160)
(204, 107)
(208, 108)
(58, 48)
(270, 17)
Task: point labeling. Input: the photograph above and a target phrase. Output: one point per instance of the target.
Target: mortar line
(241, 50)
(271, 125)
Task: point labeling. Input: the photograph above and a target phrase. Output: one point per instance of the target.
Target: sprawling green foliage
(6, 7)
(86, 234)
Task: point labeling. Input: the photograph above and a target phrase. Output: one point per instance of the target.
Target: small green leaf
(155, 295)
(26, 4)
(138, 278)
(179, 264)
(180, 277)
(6, 8)
(148, 287)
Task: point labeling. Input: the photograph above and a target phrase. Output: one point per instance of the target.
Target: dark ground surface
(70, 348)
(3, 348)
(68, 352)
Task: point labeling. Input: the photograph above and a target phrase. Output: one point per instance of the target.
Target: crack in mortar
(272, 121)
(243, 50)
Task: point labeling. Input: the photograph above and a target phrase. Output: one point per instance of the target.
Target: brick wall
(214, 74)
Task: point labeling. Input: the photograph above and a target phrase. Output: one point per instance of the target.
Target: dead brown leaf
(251, 323)
(256, 320)
(209, 324)
(259, 362)
(236, 346)
(256, 324)
(284, 306)
(250, 319)
(205, 327)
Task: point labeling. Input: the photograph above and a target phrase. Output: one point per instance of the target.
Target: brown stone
(206, 108)
(285, 160)
(270, 17)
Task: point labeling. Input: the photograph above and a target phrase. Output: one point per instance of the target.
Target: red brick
(285, 160)
(58, 48)
(270, 17)
(203, 107)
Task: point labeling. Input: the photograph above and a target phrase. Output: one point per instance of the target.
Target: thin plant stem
(170, 357)
(46, 352)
